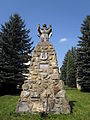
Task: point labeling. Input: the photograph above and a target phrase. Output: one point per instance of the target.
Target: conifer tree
(63, 69)
(71, 68)
(83, 56)
(68, 69)
(16, 49)
(1, 63)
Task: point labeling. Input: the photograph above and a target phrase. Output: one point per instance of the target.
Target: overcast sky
(65, 16)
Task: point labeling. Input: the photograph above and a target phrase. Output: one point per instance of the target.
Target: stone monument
(43, 91)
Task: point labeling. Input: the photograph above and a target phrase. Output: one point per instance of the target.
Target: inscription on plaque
(44, 66)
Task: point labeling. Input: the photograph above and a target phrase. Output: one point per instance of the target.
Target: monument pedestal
(43, 91)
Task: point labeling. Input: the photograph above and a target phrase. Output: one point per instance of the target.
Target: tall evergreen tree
(63, 69)
(83, 55)
(68, 69)
(16, 49)
(1, 63)
(71, 68)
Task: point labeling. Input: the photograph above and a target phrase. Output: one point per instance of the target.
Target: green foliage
(0, 61)
(1, 64)
(16, 48)
(71, 68)
(83, 59)
(68, 69)
(79, 101)
(63, 69)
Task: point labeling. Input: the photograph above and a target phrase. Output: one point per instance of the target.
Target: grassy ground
(79, 101)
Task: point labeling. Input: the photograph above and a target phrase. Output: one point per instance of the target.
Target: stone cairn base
(43, 91)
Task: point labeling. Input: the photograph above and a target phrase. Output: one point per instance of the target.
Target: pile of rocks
(43, 91)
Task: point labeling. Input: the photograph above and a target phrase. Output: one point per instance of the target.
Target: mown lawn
(80, 102)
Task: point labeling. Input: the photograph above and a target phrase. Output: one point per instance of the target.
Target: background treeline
(75, 71)
(15, 49)
(68, 69)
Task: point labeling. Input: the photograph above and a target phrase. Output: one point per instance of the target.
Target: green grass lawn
(80, 102)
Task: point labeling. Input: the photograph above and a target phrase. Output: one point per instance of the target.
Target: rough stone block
(35, 94)
(37, 107)
(22, 107)
(56, 89)
(61, 94)
(25, 94)
(25, 86)
(55, 77)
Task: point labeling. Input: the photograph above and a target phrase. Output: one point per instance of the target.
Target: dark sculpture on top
(44, 33)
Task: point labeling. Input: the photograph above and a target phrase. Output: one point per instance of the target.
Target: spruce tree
(83, 56)
(63, 69)
(71, 68)
(68, 69)
(1, 63)
(16, 49)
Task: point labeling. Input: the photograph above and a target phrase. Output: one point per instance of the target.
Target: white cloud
(63, 39)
